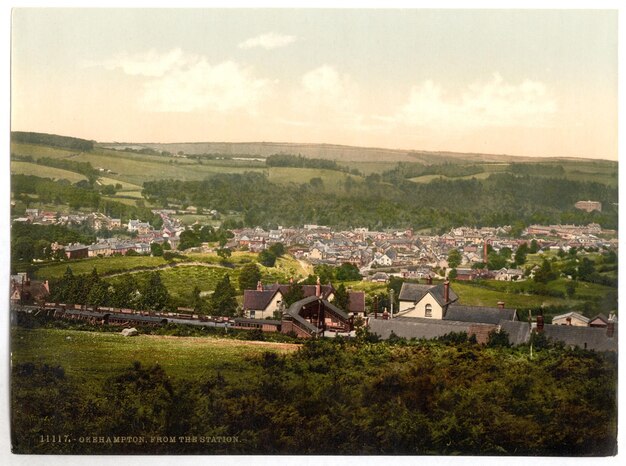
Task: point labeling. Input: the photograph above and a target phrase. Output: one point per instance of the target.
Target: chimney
(569, 320)
(318, 288)
(485, 251)
(501, 304)
(446, 291)
(259, 286)
(430, 280)
(291, 281)
(540, 323)
(46, 285)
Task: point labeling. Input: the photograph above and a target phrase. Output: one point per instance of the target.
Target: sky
(518, 82)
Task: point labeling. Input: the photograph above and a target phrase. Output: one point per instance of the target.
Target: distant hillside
(323, 151)
(51, 140)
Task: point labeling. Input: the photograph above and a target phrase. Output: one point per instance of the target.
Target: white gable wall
(420, 308)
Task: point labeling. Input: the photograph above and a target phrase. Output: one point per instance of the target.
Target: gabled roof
(479, 314)
(437, 292)
(413, 291)
(295, 308)
(518, 332)
(257, 300)
(356, 301)
(601, 317)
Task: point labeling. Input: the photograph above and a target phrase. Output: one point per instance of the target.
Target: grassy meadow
(93, 356)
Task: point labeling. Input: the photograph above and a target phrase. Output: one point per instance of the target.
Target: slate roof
(294, 312)
(415, 327)
(414, 292)
(75, 247)
(595, 338)
(519, 332)
(357, 301)
(479, 314)
(257, 300)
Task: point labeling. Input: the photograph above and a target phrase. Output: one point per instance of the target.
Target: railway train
(128, 317)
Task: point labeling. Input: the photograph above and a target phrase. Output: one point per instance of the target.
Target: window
(252, 314)
(429, 310)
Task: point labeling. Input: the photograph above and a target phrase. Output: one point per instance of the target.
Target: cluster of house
(312, 316)
(425, 311)
(267, 301)
(415, 254)
(23, 290)
(429, 311)
(144, 235)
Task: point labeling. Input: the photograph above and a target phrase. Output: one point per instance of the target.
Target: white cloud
(181, 82)
(268, 41)
(494, 103)
(150, 63)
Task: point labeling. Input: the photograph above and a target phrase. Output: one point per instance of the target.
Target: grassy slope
(27, 168)
(93, 356)
(104, 265)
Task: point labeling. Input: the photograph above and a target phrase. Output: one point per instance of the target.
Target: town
(463, 254)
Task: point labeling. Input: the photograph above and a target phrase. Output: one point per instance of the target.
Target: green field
(332, 179)
(94, 356)
(127, 188)
(27, 168)
(181, 279)
(429, 178)
(104, 265)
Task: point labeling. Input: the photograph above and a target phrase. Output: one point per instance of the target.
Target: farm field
(91, 357)
(429, 178)
(104, 265)
(27, 168)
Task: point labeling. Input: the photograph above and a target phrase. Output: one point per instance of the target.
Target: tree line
(55, 140)
(77, 196)
(149, 294)
(501, 199)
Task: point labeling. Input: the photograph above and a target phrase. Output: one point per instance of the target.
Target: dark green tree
(341, 297)
(454, 258)
(267, 258)
(126, 293)
(534, 247)
(347, 272)
(156, 249)
(278, 249)
(154, 295)
(586, 269)
(223, 299)
(295, 293)
(520, 254)
(249, 277)
(545, 273)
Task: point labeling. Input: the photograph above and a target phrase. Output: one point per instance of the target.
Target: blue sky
(531, 82)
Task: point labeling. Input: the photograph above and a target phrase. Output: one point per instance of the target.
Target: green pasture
(94, 356)
(27, 168)
(104, 265)
(332, 179)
